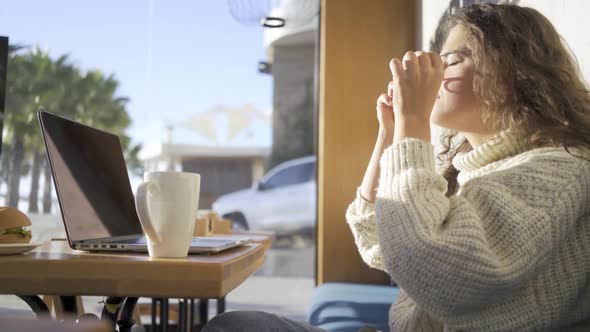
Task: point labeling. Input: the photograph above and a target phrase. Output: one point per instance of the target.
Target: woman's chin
(439, 118)
(453, 118)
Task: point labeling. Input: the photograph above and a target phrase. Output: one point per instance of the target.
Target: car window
(290, 176)
(309, 171)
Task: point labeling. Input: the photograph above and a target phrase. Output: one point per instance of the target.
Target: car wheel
(238, 221)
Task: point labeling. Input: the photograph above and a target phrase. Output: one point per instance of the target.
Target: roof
(166, 150)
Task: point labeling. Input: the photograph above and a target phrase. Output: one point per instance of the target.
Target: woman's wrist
(368, 188)
(411, 127)
(385, 135)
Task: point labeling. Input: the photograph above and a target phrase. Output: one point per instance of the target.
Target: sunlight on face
(456, 106)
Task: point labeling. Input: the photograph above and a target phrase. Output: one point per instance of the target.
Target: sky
(173, 58)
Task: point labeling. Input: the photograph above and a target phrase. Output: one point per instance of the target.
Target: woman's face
(456, 106)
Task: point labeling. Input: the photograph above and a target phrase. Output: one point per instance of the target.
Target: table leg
(164, 315)
(182, 304)
(203, 311)
(221, 305)
(37, 305)
(153, 313)
(126, 322)
(191, 311)
(69, 307)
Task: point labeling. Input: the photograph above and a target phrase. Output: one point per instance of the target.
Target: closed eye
(453, 58)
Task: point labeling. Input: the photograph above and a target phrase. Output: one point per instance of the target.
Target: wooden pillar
(358, 38)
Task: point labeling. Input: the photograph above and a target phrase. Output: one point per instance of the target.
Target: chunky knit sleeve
(406, 316)
(360, 216)
(461, 254)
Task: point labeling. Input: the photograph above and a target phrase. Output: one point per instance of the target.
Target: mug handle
(141, 202)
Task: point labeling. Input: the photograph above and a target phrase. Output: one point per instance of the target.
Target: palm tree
(44, 86)
(31, 85)
(91, 99)
(36, 81)
(56, 79)
(20, 115)
(5, 164)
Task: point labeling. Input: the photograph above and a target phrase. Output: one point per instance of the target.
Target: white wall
(430, 12)
(570, 18)
(295, 23)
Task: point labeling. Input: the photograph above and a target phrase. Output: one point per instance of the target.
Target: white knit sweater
(510, 251)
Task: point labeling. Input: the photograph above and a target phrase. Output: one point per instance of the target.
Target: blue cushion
(348, 307)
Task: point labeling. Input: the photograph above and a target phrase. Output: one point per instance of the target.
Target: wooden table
(55, 269)
(28, 325)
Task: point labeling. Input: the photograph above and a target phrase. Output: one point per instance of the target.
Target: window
(163, 77)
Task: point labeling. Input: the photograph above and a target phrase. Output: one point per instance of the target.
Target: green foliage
(38, 81)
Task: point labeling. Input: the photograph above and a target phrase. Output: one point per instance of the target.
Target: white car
(283, 201)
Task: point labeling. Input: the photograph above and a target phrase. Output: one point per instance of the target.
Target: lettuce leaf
(16, 230)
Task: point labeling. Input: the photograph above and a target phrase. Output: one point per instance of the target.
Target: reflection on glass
(165, 79)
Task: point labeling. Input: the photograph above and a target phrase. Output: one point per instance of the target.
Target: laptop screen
(91, 180)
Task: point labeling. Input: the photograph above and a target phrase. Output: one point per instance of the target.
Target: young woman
(500, 240)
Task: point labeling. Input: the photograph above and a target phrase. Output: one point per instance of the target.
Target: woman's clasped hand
(416, 80)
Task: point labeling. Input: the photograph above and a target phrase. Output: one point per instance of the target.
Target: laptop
(94, 193)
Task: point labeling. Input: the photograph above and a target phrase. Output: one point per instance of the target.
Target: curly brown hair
(526, 77)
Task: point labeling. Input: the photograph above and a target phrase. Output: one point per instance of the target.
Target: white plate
(17, 248)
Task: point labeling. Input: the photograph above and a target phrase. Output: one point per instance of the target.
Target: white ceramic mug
(167, 205)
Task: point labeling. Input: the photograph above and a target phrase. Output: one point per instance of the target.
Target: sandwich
(14, 226)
